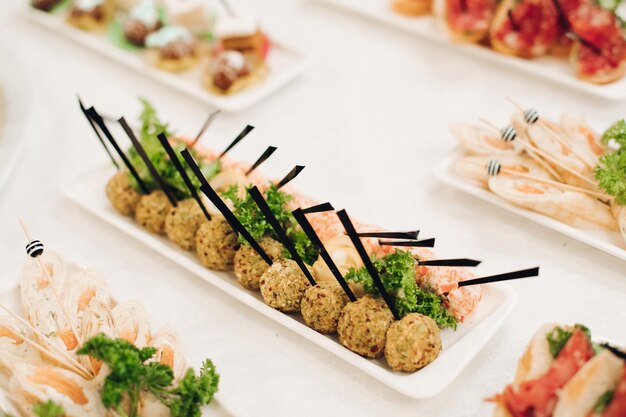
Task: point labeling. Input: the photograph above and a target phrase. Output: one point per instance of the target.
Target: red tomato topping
(538, 397)
(617, 406)
(469, 16)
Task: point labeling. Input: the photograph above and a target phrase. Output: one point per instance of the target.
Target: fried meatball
(216, 244)
(122, 195)
(363, 326)
(182, 223)
(322, 305)
(249, 266)
(152, 210)
(45, 5)
(412, 343)
(283, 286)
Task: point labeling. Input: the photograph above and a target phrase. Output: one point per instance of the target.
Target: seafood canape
(172, 48)
(90, 15)
(143, 20)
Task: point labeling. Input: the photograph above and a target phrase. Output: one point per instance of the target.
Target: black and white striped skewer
(538, 152)
(146, 160)
(208, 122)
(371, 269)
(257, 197)
(34, 249)
(299, 215)
(93, 114)
(494, 167)
(230, 217)
(531, 117)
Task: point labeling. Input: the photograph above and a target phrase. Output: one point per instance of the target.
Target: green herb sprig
(611, 169)
(132, 374)
(397, 272)
(558, 338)
(48, 409)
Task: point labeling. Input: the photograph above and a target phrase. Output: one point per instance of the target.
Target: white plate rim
(461, 354)
(528, 66)
(444, 173)
(230, 103)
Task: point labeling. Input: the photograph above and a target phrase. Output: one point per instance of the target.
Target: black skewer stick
(181, 170)
(514, 24)
(142, 153)
(356, 241)
(280, 232)
(228, 8)
(412, 235)
(97, 132)
(290, 176)
(525, 273)
(235, 141)
(300, 217)
(93, 114)
(450, 262)
(617, 352)
(268, 152)
(318, 208)
(568, 27)
(230, 217)
(208, 122)
(426, 243)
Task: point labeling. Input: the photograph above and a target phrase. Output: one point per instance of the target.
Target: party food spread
(382, 292)
(77, 351)
(562, 169)
(563, 373)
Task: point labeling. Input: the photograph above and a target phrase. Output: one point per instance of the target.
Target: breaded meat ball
(283, 285)
(182, 223)
(121, 194)
(322, 305)
(152, 210)
(412, 343)
(249, 266)
(216, 244)
(363, 325)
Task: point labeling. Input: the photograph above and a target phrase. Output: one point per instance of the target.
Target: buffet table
(370, 120)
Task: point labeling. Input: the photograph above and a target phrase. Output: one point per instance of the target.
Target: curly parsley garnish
(151, 127)
(611, 169)
(558, 338)
(251, 217)
(132, 374)
(397, 272)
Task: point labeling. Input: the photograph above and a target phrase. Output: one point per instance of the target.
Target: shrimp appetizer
(563, 373)
(561, 169)
(76, 346)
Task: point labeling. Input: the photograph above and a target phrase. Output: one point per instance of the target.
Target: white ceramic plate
(15, 101)
(555, 69)
(285, 63)
(10, 297)
(610, 242)
(459, 347)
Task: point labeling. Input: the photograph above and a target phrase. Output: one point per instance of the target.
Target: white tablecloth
(369, 119)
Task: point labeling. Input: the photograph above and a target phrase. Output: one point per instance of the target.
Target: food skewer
(494, 167)
(264, 156)
(95, 129)
(179, 167)
(412, 235)
(280, 232)
(524, 273)
(531, 116)
(509, 132)
(461, 262)
(142, 153)
(300, 217)
(92, 113)
(425, 243)
(290, 176)
(223, 208)
(318, 208)
(371, 269)
(208, 122)
(246, 130)
(34, 249)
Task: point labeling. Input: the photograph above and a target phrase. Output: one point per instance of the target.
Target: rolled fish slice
(475, 167)
(570, 207)
(170, 351)
(46, 316)
(583, 137)
(131, 323)
(34, 285)
(96, 319)
(32, 384)
(13, 348)
(81, 287)
(619, 212)
(483, 141)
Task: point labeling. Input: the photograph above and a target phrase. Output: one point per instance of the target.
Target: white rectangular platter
(284, 61)
(553, 69)
(607, 241)
(459, 348)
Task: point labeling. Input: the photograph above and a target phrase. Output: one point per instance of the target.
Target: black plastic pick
(525, 273)
(290, 176)
(412, 235)
(426, 243)
(238, 139)
(95, 129)
(318, 208)
(450, 262)
(208, 122)
(268, 152)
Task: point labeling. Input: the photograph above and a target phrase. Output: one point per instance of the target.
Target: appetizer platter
(560, 174)
(223, 57)
(68, 347)
(378, 299)
(14, 104)
(564, 373)
(582, 51)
